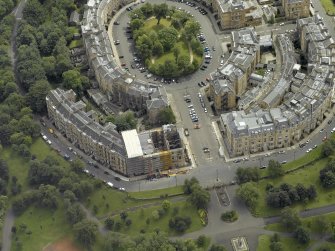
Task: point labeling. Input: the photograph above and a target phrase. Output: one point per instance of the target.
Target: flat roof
(132, 143)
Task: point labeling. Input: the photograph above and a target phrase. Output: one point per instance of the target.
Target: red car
(123, 64)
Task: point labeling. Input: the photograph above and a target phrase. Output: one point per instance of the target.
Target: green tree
(166, 205)
(275, 169)
(289, 218)
(47, 196)
(34, 13)
(166, 116)
(302, 235)
(72, 80)
(136, 24)
(109, 223)
(188, 185)
(247, 174)
(168, 36)
(199, 197)
(36, 95)
(176, 53)
(191, 29)
(74, 213)
(322, 224)
(249, 194)
(77, 165)
(144, 45)
(183, 62)
(327, 149)
(160, 11)
(147, 10)
(85, 232)
(157, 48)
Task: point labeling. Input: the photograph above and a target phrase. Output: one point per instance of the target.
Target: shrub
(229, 216)
(180, 224)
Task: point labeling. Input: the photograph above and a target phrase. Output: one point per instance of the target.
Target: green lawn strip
(73, 30)
(139, 217)
(298, 163)
(308, 222)
(329, 6)
(46, 226)
(306, 176)
(75, 44)
(158, 193)
(109, 201)
(40, 149)
(330, 245)
(288, 244)
(17, 165)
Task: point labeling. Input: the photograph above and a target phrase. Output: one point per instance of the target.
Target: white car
(110, 184)
(205, 110)
(199, 95)
(310, 149)
(122, 189)
(49, 142)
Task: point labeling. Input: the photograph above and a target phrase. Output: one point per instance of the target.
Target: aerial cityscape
(199, 125)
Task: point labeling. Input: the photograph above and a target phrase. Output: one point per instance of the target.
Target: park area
(302, 184)
(50, 229)
(166, 39)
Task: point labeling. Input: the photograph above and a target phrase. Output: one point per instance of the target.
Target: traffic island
(240, 244)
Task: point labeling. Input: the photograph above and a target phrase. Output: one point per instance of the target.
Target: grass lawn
(45, 226)
(151, 24)
(288, 244)
(73, 29)
(156, 193)
(309, 222)
(307, 158)
(75, 44)
(19, 166)
(139, 217)
(306, 176)
(116, 200)
(329, 6)
(183, 48)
